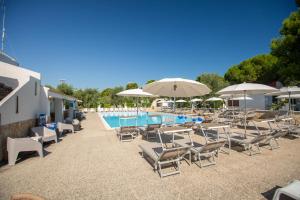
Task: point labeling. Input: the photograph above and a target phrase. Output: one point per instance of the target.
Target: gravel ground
(93, 164)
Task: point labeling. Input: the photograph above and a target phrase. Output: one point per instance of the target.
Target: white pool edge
(106, 125)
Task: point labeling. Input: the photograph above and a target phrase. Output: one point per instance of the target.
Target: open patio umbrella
(193, 101)
(181, 101)
(288, 91)
(214, 99)
(177, 87)
(135, 93)
(247, 88)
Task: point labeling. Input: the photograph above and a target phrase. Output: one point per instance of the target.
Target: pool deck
(94, 164)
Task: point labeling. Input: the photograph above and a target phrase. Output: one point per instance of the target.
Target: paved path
(93, 164)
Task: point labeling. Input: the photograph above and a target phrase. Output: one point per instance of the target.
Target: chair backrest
(39, 130)
(126, 129)
(153, 126)
(173, 153)
(212, 146)
(189, 124)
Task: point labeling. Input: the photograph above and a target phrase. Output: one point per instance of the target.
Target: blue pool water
(115, 120)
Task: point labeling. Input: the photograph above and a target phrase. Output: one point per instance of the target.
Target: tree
(132, 86)
(150, 81)
(66, 89)
(259, 69)
(287, 49)
(213, 81)
(90, 97)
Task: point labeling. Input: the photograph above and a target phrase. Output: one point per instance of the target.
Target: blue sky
(110, 43)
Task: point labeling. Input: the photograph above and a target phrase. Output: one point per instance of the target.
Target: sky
(100, 44)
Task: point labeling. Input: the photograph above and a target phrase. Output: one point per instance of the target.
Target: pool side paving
(93, 164)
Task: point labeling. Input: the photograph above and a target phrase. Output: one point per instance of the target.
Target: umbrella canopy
(292, 96)
(177, 87)
(134, 93)
(241, 98)
(285, 91)
(214, 99)
(196, 100)
(249, 88)
(181, 101)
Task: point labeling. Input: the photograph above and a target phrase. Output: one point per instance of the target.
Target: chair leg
(12, 157)
(40, 151)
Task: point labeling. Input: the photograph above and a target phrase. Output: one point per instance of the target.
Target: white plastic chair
(292, 190)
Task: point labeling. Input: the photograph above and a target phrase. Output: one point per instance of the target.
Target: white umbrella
(288, 91)
(292, 96)
(196, 100)
(177, 87)
(181, 101)
(135, 93)
(214, 99)
(241, 98)
(247, 88)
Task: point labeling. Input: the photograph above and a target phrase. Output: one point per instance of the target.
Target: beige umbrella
(177, 87)
(135, 93)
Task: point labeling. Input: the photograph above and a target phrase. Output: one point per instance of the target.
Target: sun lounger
(151, 131)
(161, 157)
(46, 133)
(17, 145)
(248, 143)
(127, 133)
(61, 127)
(201, 152)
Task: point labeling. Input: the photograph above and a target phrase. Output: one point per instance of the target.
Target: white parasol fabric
(196, 100)
(181, 101)
(214, 99)
(292, 96)
(134, 93)
(177, 87)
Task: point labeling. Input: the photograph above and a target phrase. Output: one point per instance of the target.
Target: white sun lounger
(292, 190)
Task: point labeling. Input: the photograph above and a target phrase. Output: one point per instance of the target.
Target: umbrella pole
(245, 115)
(137, 108)
(174, 105)
(289, 112)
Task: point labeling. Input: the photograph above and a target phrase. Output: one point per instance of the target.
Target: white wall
(29, 104)
(258, 102)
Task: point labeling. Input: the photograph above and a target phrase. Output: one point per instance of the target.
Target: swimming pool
(117, 119)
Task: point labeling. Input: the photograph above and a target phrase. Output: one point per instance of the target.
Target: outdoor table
(214, 126)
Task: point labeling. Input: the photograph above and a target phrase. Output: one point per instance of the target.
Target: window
(17, 104)
(35, 88)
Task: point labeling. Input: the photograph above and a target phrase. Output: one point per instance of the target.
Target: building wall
(258, 102)
(29, 104)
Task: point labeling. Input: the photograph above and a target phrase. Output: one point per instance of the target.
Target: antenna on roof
(3, 27)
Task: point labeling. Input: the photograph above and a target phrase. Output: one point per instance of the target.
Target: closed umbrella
(177, 87)
(247, 88)
(135, 93)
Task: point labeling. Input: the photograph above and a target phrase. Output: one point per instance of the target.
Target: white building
(22, 99)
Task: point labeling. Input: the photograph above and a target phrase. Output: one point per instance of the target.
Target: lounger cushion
(153, 150)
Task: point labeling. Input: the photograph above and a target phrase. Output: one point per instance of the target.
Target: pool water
(115, 119)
